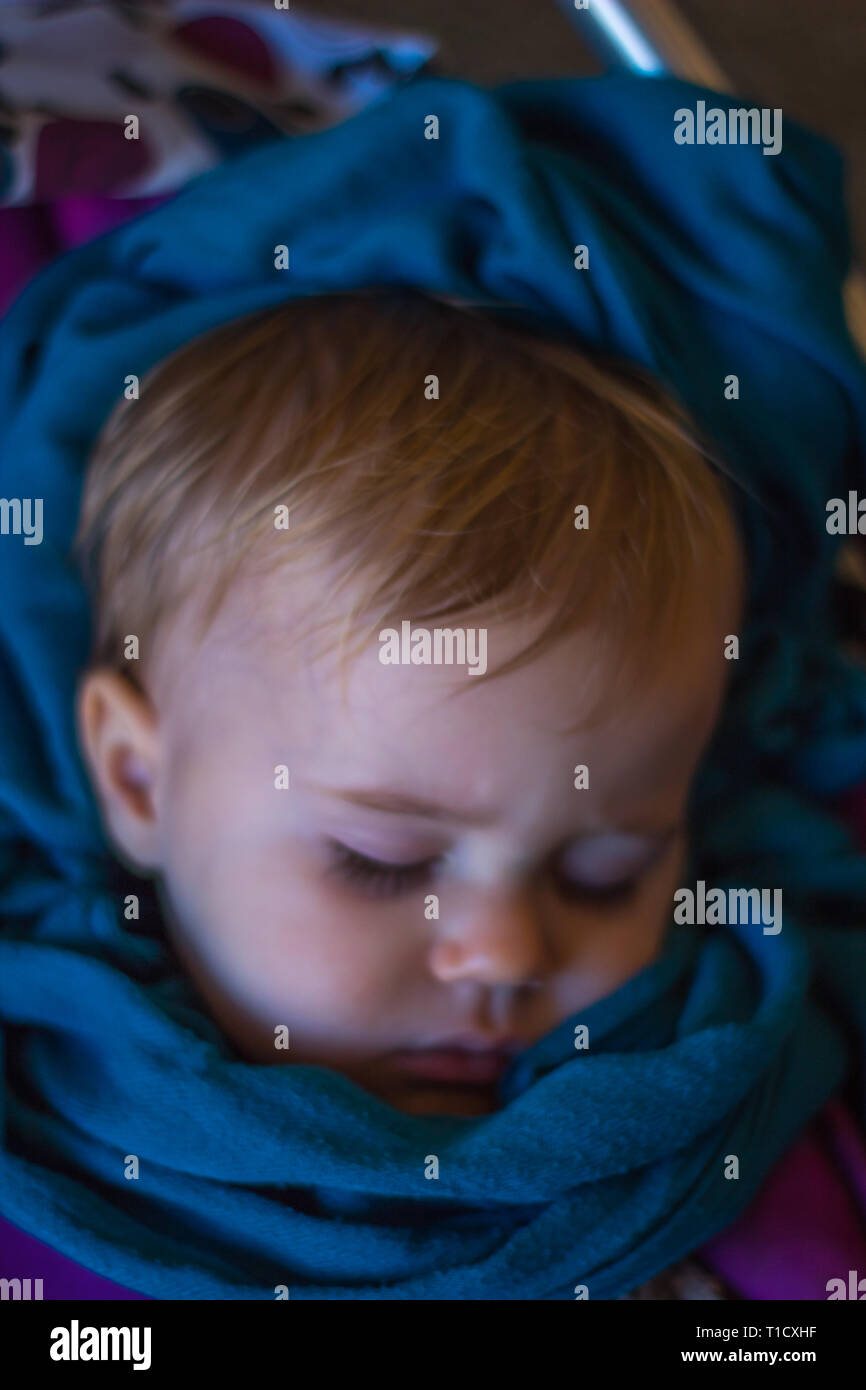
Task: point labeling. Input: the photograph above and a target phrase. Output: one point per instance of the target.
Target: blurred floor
(808, 59)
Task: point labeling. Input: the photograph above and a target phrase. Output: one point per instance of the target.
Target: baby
(415, 866)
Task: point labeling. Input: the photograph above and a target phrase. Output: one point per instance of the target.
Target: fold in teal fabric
(605, 1165)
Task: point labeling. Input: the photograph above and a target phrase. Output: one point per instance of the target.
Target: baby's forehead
(270, 661)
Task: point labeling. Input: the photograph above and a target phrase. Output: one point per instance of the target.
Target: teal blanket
(602, 1166)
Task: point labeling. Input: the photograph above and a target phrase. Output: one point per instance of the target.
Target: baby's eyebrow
(399, 804)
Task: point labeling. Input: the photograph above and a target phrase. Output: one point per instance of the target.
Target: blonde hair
(425, 505)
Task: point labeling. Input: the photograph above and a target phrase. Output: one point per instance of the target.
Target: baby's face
(313, 907)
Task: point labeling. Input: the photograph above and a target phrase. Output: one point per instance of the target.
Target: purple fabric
(32, 236)
(23, 1257)
(807, 1224)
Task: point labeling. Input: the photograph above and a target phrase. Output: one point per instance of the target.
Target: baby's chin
(422, 1099)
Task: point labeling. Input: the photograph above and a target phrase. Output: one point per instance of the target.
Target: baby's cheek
(271, 945)
(647, 928)
(614, 947)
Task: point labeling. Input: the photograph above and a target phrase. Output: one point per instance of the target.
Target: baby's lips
(464, 1058)
(455, 1065)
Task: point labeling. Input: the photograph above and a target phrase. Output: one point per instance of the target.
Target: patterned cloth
(201, 76)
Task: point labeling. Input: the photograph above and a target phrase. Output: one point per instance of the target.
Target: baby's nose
(496, 937)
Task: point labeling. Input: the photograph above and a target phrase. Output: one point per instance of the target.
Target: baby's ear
(118, 733)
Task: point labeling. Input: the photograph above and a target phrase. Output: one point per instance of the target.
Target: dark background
(806, 56)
